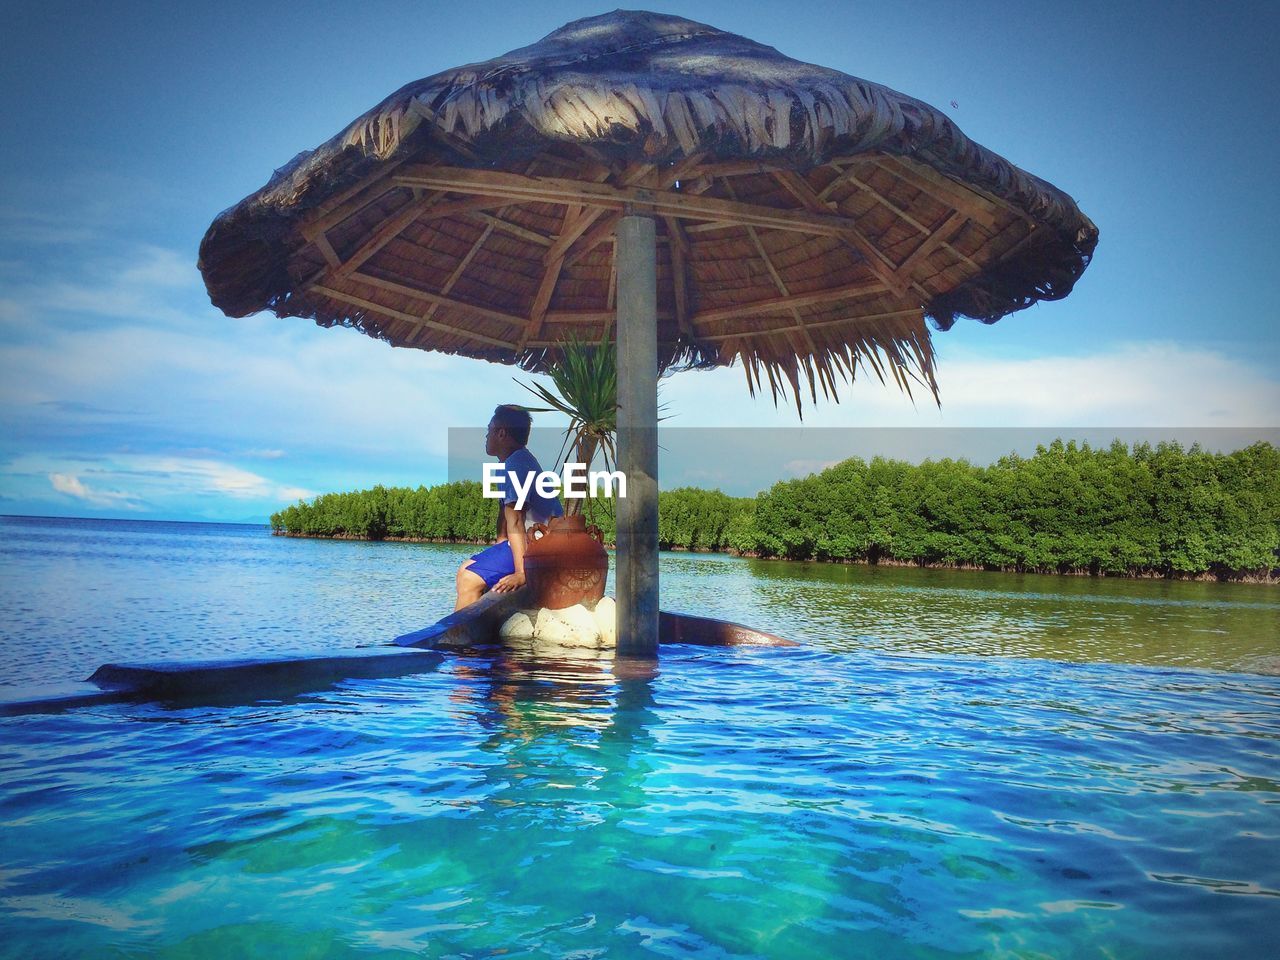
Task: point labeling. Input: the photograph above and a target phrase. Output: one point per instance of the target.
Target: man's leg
(471, 586)
(482, 571)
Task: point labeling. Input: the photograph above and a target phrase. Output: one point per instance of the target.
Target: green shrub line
(1147, 511)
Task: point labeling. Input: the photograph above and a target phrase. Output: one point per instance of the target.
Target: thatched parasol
(801, 220)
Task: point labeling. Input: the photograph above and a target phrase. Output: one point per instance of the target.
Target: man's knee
(471, 586)
(468, 580)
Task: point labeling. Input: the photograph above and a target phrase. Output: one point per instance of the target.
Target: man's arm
(513, 521)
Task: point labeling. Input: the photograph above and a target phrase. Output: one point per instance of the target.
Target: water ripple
(886, 795)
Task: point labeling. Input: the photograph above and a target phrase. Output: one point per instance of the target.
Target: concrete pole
(637, 324)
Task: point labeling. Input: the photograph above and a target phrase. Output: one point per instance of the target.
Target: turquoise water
(874, 791)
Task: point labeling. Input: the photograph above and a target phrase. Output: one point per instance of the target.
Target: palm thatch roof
(808, 221)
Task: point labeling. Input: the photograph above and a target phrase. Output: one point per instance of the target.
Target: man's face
(492, 439)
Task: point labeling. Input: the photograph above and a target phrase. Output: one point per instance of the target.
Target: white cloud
(1147, 384)
(125, 479)
(72, 486)
(200, 476)
(139, 282)
(259, 385)
(153, 266)
(802, 468)
(1150, 384)
(242, 388)
(65, 483)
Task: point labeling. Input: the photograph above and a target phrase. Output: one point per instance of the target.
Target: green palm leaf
(585, 378)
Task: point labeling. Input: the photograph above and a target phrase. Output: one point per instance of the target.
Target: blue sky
(129, 126)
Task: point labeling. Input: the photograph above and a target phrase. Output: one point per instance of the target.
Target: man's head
(508, 430)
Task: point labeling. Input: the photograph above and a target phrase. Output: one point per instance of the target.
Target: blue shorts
(493, 563)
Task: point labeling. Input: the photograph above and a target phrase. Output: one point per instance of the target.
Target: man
(501, 567)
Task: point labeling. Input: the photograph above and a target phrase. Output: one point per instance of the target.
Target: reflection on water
(521, 694)
(910, 610)
(779, 803)
(80, 593)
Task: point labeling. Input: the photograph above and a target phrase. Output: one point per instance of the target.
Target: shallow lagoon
(952, 764)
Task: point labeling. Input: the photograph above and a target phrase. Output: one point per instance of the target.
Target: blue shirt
(523, 464)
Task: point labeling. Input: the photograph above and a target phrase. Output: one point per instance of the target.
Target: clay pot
(565, 563)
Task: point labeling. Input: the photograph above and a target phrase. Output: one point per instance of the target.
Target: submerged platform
(268, 677)
(279, 675)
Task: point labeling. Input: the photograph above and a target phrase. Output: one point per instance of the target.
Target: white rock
(581, 618)
(571, 627)
(607, 622)
(518, 626)
(584, 622)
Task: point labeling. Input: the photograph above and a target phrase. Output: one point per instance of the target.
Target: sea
(948, 764)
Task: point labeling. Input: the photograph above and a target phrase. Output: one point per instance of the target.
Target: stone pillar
(637, 326)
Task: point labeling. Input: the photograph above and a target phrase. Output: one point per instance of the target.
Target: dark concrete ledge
(182, 678)
(50, 698)
(220, 681)
(708, 632)
(473, 626)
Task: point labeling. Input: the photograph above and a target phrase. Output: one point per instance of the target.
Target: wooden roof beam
(592, 316)
(682, 169)
(877, 262)
(453, 278)
(515, 187)
(426, 209)
(336, 209)
(982, 208)
(384, 234)
(506, 226)
(488, 313)
(577, 219)
(903, 214)
(783, 304)
(710, 227)
(569, 235)
(773, 331)
(782, 289)
(604, 227)
(734, 168)
(601, 232)
(611, 299)
(898, 209)
(541, 301)
(393, 314)
(678, 244)
(932, 242)
(843, 176)
(326, 250)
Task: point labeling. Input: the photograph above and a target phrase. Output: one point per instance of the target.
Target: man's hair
(515, 421)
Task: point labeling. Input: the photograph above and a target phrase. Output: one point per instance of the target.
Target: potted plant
(566, 563)
(585, 378)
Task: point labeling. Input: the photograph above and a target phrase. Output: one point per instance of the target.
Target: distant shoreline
(1255, 579)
